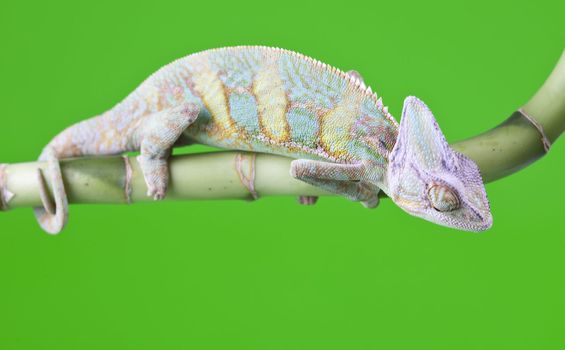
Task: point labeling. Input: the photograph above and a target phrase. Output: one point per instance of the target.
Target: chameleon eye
(443, 198)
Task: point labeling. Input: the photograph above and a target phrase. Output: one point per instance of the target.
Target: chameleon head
(428, 179)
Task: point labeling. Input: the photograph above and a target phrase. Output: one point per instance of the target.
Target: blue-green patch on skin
(369, 107)
(304, 82)
(368, 138)
(361, 150)
(235, 69)
(303, 126)
(243, 110)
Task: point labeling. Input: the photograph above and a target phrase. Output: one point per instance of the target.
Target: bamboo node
(247, 176)
(127, 181)
(5, 194)
(544, 139)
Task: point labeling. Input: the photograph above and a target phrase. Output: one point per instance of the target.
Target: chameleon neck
(373, 144)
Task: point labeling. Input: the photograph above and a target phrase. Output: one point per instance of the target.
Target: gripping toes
(158, 136)
(369, 197)
(156, 175)
(307, 200)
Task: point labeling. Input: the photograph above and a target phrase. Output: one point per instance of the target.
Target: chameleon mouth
(472, 220)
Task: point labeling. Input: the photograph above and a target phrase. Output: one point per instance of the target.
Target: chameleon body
(277, 101)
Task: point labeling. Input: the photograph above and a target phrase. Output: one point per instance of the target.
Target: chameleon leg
(158, 136)
(342, 179)
(311, 200)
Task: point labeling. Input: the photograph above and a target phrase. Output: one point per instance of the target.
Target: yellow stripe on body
(213, 94)
(336, 124)
(271, 104)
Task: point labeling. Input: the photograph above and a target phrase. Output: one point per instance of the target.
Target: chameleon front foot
(372, 201)
(342, 179)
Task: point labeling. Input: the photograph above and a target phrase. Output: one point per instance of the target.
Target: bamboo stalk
(192, 177)
(516, 143)
(499, 152)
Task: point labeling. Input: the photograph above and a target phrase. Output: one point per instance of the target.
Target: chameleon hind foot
(307, 200)
(158, 136)
(52, 217)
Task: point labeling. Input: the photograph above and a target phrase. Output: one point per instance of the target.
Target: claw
(307, 200)
(156, 194)
(371, 203)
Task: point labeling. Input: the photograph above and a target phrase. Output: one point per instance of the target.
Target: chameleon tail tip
(52, 217)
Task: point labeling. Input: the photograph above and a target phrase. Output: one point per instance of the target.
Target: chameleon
(339, 133)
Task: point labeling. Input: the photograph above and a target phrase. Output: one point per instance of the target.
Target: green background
(273, 274)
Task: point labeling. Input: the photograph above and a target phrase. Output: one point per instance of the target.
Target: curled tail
(115, 132)
(52, 217)
(94, 136)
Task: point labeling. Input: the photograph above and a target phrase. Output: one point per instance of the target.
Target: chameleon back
(274, 101)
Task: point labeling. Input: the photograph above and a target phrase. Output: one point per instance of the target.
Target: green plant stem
(193, 177)
(516, 143)
(499, 152)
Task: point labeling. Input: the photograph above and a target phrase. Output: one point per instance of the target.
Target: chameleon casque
(272, 100)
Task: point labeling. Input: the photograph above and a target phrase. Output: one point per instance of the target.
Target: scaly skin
(276, 101)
